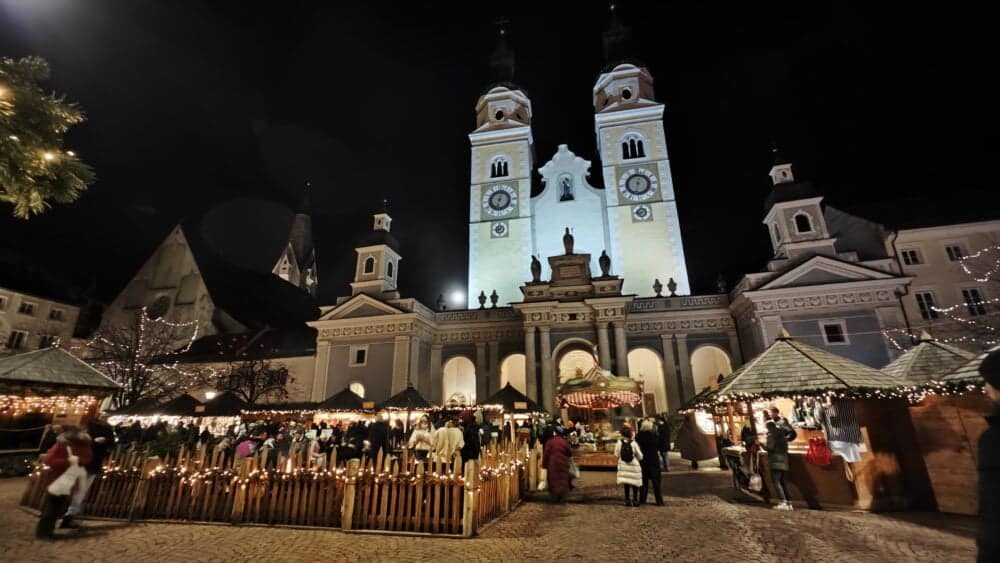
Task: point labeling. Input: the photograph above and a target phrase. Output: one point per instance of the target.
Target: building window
(358, 389)
(911, 257)
(802, 223)
(499, 168)
(974, 301)
(56, 315)
(369, 265)
(26, 308)
(834, 332)
(47, 341)
(925, 301)
(359, 356)
(632, 147)
(777, 233)
(955, 252)
(389, 269)
(3, 302)
(16, 339)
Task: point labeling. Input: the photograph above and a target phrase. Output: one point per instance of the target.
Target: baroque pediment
(360, 306)
(822, 270)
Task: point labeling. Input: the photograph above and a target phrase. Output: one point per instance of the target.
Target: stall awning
(52, 371)
(929, 360)
(407, 399)
(512, 400)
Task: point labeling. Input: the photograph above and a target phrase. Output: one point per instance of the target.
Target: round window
(626, 94)
(498, 115)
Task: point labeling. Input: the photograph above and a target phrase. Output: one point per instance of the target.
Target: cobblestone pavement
(704, 520)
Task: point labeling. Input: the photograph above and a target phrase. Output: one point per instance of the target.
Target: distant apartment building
(29, 322)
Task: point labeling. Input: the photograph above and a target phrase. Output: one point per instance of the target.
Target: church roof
(379, 237)
(789, 191)
(928, 360)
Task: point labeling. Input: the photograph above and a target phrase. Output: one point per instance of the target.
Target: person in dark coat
(378, 439)
(556, 456)
(988, 465)
(777, 460)
(663, 434)
(648, 441)
(470, 434)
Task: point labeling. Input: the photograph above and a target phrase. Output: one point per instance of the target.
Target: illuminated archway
(512, 371)
(707, 363)
(574, 363)
(645, 365)
(458, 382)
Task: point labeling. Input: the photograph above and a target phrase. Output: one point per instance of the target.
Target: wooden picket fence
(380, 495)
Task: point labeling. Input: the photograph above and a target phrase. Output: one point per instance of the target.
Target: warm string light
(16, 405)
(911, 337)
(993, 270)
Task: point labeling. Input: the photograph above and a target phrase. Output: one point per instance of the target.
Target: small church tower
(377, 270)
(795, 217)
(297, 262)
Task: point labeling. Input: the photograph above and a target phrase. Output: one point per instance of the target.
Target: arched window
(645, 365)
(512, 370)
(458, 381)
(708, 362)
(777, 233)
(632, 147)
(358, 389)
(389, 269)
(802, 223)
(499, 167)
(369, 265)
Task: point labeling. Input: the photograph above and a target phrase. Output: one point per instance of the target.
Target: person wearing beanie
(989, 464)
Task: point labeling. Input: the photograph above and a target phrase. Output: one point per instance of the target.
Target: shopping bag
(63, 485)
(574, 470)
(756, 483)
(819, 452)
(543, 476)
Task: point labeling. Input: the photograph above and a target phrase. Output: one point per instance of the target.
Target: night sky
(219, 114)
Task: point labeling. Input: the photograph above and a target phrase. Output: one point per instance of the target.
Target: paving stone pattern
(704, 520)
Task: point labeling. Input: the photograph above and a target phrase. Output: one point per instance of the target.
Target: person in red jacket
(58, 460)
(555, 459)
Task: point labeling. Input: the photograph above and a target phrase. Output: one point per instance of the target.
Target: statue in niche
(566, 188)
(568, 242)
(536, 270)
(605, 262)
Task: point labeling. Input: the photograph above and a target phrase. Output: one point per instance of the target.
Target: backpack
(626, 451)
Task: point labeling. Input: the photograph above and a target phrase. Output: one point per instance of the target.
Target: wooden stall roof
(790, 367)
(969, 372)
(928, 360)
(510, 399)
(142, 407)
(226, 404)
(53, 370)
(344, 400)
(185, 405)
(407, 399)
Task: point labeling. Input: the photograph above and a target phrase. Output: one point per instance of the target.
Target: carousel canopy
(512, 400)
(344, 400)
(407, 399)
(51, 371)
(969, 372)
(226, 404)
(789, 367)
(599, 390)
(928, 360)
(185, 405)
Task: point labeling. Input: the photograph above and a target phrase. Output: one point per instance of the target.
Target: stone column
(546, 394)
(482, 372)
(673, 387)
(687, 379)
(530, 377)
(414, 372)
(434, 390)
(603, 346)
(400, 364)
(494, 382)
(621, 351)
(321, 371)
(734, 349)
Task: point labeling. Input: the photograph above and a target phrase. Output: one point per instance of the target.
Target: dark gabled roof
(969, 372)
(789, 367)
(508, 397)
(265, 343)
(929, 360)
(56, 368)
(226, 404)
(298, 406)
(344, 400)
(379, 237)
(185, 405)
(406, 399)
(789, 191)
(140, 407)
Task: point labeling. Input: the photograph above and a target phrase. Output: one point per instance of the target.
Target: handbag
(63, 485)
(756, 482)
(819, 452)
(574, 470)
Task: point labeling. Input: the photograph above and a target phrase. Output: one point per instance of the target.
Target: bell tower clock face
(499, 200)
(638, 184)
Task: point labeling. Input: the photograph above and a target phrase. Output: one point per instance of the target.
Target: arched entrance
(574, 363)
(458, 381)
(512, 370)
(707, 363)
(645, 365)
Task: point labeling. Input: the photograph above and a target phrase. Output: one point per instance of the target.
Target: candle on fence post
(469, 509)
(347, 508)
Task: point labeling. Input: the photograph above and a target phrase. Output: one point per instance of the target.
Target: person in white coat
(629, 469)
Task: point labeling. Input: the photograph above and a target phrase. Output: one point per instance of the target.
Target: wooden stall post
(350, 487)
(138, 505)
(469, 510)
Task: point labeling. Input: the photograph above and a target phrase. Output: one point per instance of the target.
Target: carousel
(590, 400)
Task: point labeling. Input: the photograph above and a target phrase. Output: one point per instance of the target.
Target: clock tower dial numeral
(638, 184)
(500, 200)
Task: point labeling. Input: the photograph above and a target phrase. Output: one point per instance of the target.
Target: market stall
(344, 406)
(509, 407)
(837, 406)
(947, 410)
(148, 411)
(42, 387)
(220, 413)
(407, 405)
(591, 400)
